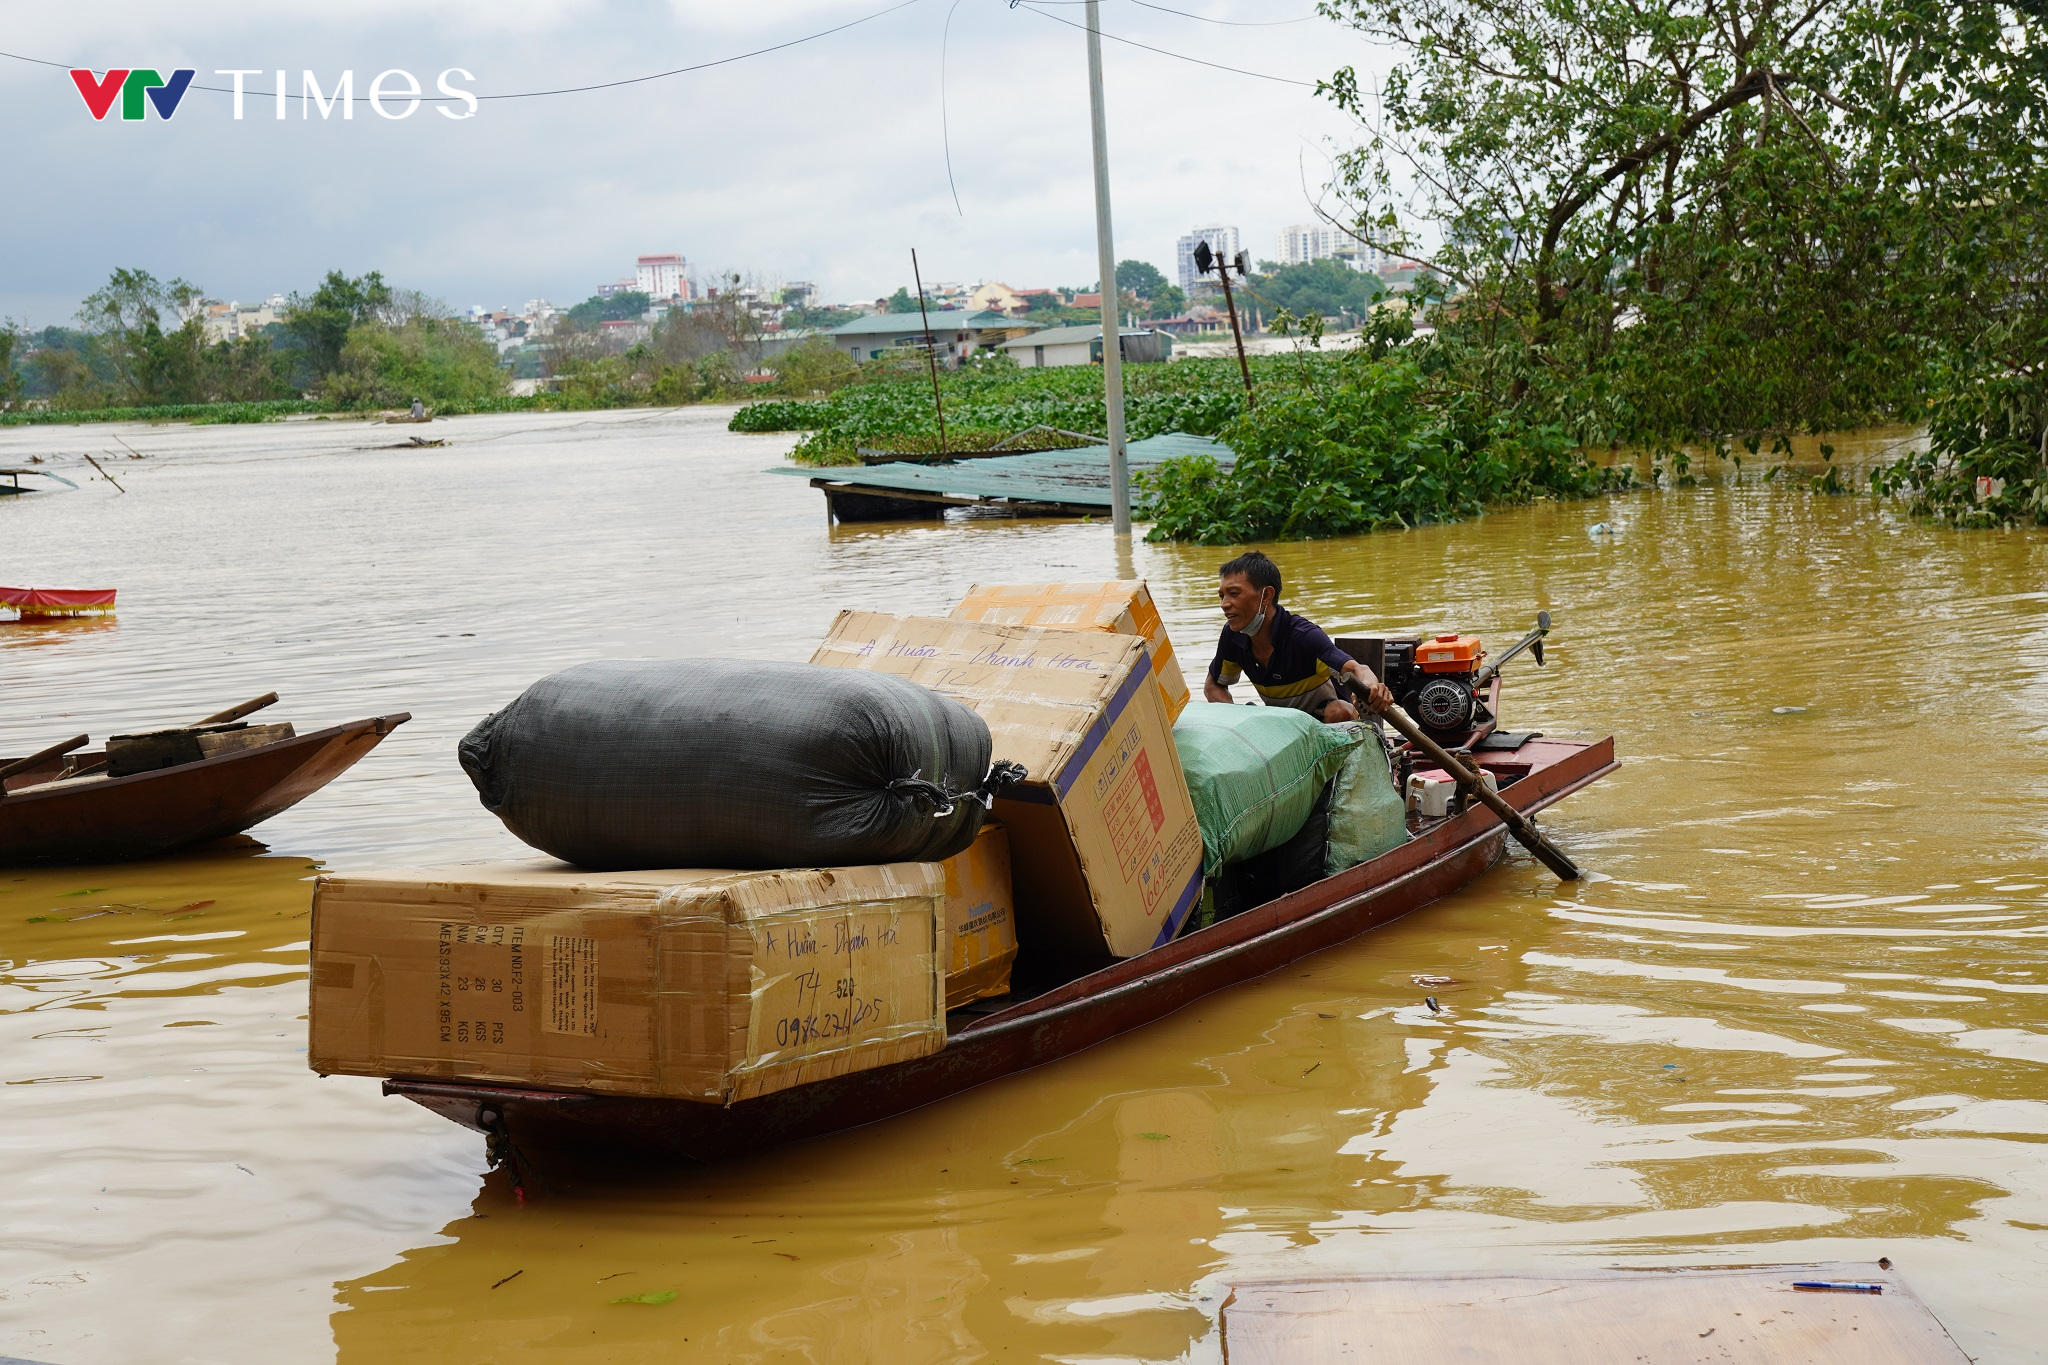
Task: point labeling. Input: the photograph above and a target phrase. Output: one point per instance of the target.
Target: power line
(565, 90)
(1178, 56)
(945, 124)
(1232, 23)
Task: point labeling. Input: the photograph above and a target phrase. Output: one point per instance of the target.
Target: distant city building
(955, 333)
(605, 291)
(662, 277)
(1083, 346)
(997, 297)
(1222, 240)
(1305, 242)
(800, 294)
(232, 321)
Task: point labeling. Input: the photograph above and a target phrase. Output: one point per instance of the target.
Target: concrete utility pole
(1105, 256)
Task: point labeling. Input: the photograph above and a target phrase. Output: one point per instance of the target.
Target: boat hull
(144, 814)
(1092, 1009)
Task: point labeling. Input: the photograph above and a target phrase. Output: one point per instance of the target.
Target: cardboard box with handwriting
(702, 985)
(1105, 854)
(1123, 606)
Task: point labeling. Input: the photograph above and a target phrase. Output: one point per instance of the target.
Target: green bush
(1989, 420)
(438, 360)
(199, 413)
(1372, 443)
(813, 367)
(779, 414)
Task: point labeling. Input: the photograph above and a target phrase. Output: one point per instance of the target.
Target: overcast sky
(823, 161)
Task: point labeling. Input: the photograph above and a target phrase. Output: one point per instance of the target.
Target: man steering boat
(1288, 658)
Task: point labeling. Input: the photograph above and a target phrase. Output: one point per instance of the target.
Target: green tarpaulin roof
(1076, 478)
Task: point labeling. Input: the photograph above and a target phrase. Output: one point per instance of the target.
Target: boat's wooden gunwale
(1293, 912)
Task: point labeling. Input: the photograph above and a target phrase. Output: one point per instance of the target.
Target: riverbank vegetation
(143, 351)
(1703, 224)
(1693, 227)
(889, 406)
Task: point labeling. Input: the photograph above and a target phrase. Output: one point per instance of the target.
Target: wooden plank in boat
(1752, 1315)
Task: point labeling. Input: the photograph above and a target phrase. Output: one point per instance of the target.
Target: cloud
(823, 161)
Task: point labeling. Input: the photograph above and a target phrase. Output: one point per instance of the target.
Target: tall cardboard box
(701, 985)
(981, 921)
(1121, 605)
(1105, 854)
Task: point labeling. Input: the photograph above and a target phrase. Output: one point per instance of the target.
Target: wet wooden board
(1655, 1317)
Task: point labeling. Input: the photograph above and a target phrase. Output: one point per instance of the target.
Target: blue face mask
(1258, 621)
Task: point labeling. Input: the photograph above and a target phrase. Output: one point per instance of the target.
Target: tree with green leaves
(1326, 288)
(151, 331)
(438, 360)
(10, 382)
(1155, 295)
(318, 325)
(1140, 279)
(794, 319)
(628, 305)
(1674, 218)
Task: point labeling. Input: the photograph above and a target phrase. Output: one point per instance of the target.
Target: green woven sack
(1255, 773)
(1367, 816)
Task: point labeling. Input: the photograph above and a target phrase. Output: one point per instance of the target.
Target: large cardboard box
(702, 985)
(1123, 606)
(1105, 854)
(981, 922)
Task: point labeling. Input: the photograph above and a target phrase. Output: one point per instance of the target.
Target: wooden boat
(1059, 1014)
(12, 487)
(32, 604)
(59, 810)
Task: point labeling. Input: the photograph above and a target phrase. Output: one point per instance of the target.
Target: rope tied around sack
(1001, 774)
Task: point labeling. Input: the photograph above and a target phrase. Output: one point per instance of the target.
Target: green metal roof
(1070, 336)
(1065, 478)
(912, 324)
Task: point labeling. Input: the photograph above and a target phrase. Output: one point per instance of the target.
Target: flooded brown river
(1802, 1012)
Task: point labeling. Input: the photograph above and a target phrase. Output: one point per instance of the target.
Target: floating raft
(1045, 482)
(1753, 1316)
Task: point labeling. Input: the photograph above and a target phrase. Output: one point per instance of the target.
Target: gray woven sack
(728, 763)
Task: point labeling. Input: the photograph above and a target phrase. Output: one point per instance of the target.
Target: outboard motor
(1436, 681)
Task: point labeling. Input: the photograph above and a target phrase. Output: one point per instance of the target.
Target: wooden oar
(1519, 825)
(36, 760)
(249, 707)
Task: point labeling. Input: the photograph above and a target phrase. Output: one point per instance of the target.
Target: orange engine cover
(1449, 654)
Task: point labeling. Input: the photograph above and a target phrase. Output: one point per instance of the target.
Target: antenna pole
(1105, 259)
(931, 349)
(1229, 303)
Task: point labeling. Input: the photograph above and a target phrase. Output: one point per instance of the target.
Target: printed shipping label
(572, 985)
(1185, 851)
(480, 972)
(1132, 810)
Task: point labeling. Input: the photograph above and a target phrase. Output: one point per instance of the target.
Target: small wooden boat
(13, 477)
(69, 805)
(40, 603)
(1052, 1012)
